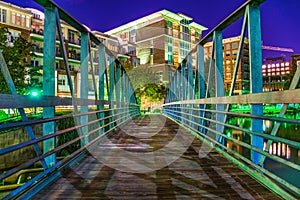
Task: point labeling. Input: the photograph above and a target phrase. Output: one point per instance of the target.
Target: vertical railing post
(84, 78)
(118, 88)
(111, 88)
(255, 51)
(201, 79)
(49, 79)
(183, 94)
(219, 80)
(191, 87)
(101, 72)
(178, 93)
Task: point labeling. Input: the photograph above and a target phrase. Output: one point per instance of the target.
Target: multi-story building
(230, 51)
(72, 45)
(163, 39)
(278, 72)
(16, 19)
(123, 50)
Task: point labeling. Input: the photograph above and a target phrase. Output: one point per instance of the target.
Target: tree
(16, 53)
(145, 83)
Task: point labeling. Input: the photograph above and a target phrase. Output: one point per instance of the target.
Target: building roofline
(162, 13)
(15, 7)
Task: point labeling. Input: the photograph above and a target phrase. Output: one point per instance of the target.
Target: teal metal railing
(52, 130)
(196, 99)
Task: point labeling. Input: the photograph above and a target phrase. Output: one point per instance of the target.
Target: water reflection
(286, 130)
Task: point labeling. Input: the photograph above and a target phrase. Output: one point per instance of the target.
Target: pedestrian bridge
(200, 144)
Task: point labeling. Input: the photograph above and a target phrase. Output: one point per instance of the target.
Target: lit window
(287, 68)
(18, 19)
(269, 66)
(23, 20)
(273, 65)
(235, 45)
(273, 74)
(3, 14)
(278, 73)
(227, 46)
(263, 70)
(277, 64)
(264, 66)
(277, 69)
(273, 70)
(282, 69)
(287, 72)
(264, 74)
(269, 70)
(287, 64)
(282, 72)
(282, 64)
(13, 18)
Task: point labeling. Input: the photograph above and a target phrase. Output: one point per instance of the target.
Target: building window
(13, 18)
(227, 46)
(3, 15)
(28, 22)
(18, 19)
(235, 45)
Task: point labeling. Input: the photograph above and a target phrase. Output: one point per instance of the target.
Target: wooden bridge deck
(98, 176)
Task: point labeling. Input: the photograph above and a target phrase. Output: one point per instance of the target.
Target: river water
(287, 131)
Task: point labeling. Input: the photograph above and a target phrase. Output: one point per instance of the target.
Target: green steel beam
(256, 82)
(219, 79)
(101, 73)
(92, 67)
(64, 53)
(201, 78)
(84, 78)
(49, 79)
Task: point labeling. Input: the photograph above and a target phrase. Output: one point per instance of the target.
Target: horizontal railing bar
(46, 137)
(276, 97)
(270, 174)
(27, 101)
(278, 119)
(71, 156)
(270, 137)
(36, 159)
(276, 158)
(56, 118)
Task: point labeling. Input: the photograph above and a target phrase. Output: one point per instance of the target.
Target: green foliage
(144, 82)
(141, 76)
(66, 137)
(16, 55)
(3, 115)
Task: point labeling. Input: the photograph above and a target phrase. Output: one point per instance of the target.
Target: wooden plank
(208, 177)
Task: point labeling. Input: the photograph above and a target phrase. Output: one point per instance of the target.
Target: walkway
(189, 177)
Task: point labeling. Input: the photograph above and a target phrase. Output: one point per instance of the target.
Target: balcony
(37, 31)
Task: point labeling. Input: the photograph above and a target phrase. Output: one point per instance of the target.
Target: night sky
(280, 18)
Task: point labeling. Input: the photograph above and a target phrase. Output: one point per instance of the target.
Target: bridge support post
(111, 88)
(219, 81)
(178, 92)
(49, 79)
(84, 89)
(201, 80)
(191, 88)
(183, 94)
(255, 52)
(101, 72)
(118, 89)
